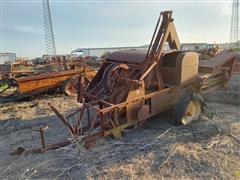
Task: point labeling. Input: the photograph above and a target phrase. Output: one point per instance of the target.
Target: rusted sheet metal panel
(48, 75)
(28, 84)
(129, 56)
(34, 84)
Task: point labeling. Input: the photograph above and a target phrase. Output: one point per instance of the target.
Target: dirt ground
(206, 149)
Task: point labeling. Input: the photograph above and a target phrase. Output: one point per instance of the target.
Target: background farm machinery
(57, 73)
(132, 86)
(211, 50)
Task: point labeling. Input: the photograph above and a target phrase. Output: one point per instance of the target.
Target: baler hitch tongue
(40, 128)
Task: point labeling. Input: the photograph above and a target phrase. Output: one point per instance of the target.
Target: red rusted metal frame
(104, 108)
(21, 150)
(63, 119)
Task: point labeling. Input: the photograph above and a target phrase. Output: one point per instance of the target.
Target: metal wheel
(70, 88)
(192, 112)
(113, 74)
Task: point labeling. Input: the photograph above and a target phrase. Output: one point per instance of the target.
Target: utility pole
(48, 28)
(234, 33)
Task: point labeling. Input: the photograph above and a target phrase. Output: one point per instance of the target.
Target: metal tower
(49, 37)
(234, 34)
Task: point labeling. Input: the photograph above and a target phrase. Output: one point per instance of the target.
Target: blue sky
(79, 24)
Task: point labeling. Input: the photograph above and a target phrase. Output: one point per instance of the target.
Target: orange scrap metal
(64, 79)
(29, 84)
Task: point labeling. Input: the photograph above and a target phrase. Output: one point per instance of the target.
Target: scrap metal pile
(58, 73)
(132, 86)
(210, 51)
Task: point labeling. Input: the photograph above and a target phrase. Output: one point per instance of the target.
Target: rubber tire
(182, 105)
(180, 109)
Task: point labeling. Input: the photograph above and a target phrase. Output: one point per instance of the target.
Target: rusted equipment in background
(64, 78)
(132, 86)
(11, 70)
(210, 51)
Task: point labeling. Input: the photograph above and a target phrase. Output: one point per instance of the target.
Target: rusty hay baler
(132, 86)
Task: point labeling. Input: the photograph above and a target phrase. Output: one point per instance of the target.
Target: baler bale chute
(132, 86)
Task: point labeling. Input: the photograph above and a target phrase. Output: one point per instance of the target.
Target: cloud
(24, 29)
(28, 29)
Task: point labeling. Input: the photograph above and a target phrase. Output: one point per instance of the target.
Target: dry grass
(207, 149)
(182, 160)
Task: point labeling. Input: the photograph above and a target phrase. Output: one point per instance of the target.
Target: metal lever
(41, 129)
